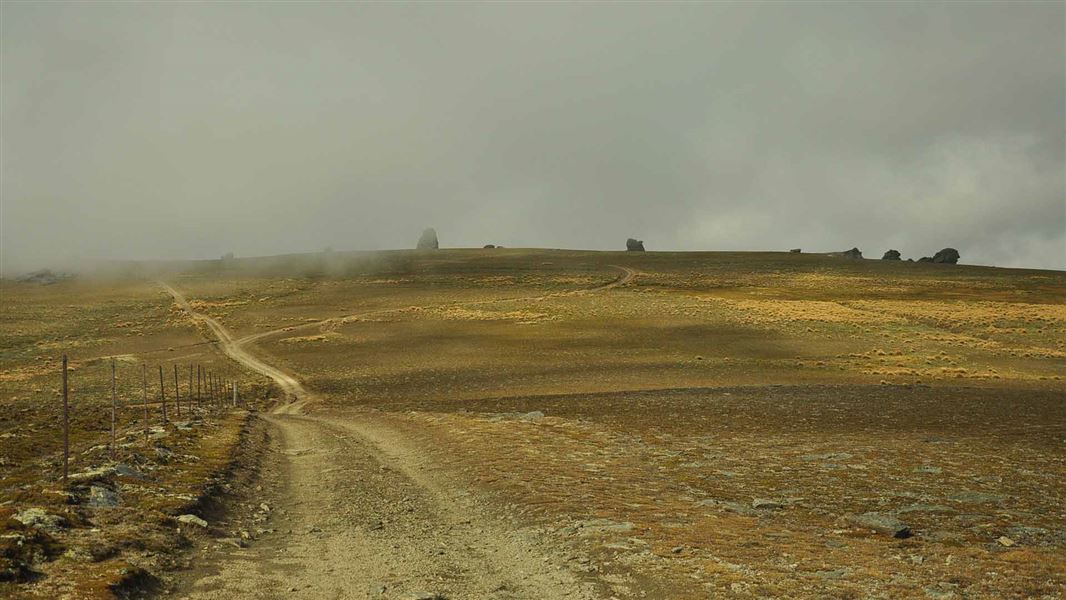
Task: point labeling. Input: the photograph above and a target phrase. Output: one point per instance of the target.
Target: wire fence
(190, 390)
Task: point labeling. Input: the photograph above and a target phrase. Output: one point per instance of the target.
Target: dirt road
(626, 276)
(355, 512)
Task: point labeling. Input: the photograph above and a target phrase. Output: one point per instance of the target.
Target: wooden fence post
(163, 395)
(177, 392)
(114, 403)
(197, 385)
(144, 390)
(190, 388)
(66, 424)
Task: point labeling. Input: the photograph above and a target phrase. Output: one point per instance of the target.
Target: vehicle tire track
(627, 276)
(355, 516)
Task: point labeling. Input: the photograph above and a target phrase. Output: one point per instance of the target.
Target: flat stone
(38, 518)
(766, 504)
(124, 470)
(927, 469)
(925, 508)
(192, 520)
(736, 507)
(881, 523)
(595, 526)
(92, 475)
(830, 456)
(978, 498)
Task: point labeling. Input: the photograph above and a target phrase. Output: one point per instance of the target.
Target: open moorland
(509, 423)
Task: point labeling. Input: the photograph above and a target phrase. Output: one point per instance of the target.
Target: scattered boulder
(796, 250)
(163, 454)
(124, 470)
(192, 520)
(535, 415)
(947, 256)
(38, 518)
(881, 523)
(633, 245)
(92, 475)
(428, 241)
(102, 497)
(489, 246)
(854, 253)
(891, 255)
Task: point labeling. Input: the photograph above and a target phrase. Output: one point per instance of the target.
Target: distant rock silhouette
(489, 246)
(891, 255)
(428, 241)
(854, 253)
(796, 250)
(44, 277)
(633, 245)
(948, 256)
(926, 259)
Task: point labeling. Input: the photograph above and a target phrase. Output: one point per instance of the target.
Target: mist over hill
(188, 130)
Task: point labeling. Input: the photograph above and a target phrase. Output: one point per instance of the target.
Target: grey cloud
(189, 130)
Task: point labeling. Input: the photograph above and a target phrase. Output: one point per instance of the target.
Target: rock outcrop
(796, 250)
(44, 277)
(428, 241)
(891, 255)
(633, 245)
(854, 253)
(926, 259)
(948, 256)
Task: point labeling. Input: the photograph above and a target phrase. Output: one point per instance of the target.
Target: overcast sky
(186, 130)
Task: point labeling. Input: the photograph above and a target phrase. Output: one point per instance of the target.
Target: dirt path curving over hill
(626, 276)
(233, 349)
(356, 512)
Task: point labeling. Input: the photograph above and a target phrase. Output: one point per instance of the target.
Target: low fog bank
(188, 130)
(332, 264)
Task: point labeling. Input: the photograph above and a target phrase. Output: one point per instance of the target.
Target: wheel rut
(355, 511)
